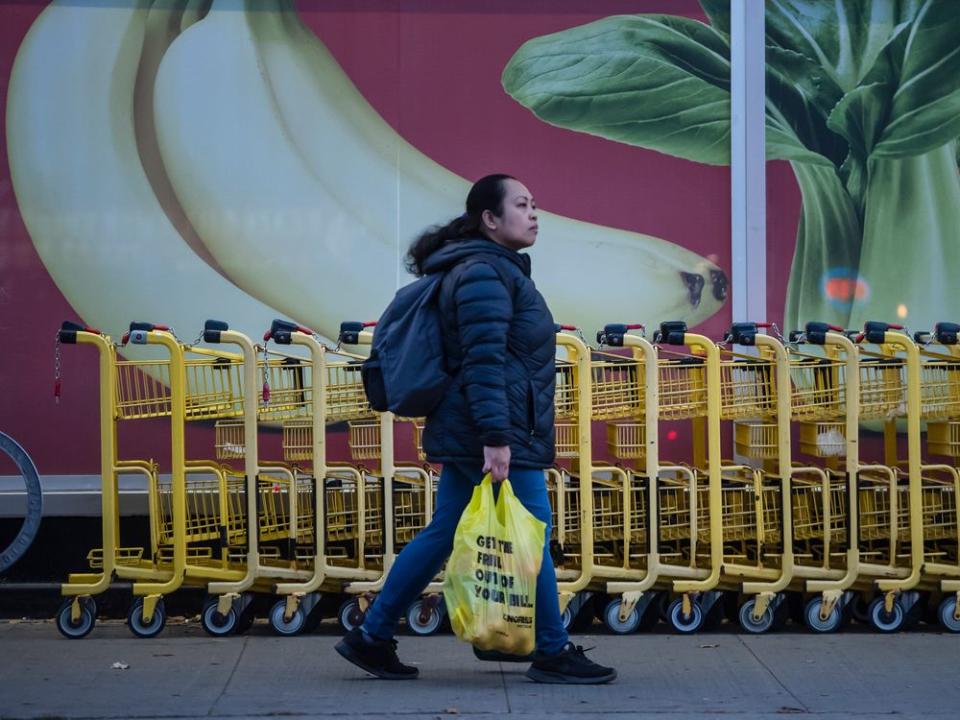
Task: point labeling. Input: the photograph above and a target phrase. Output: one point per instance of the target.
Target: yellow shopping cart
(825, 377)
(577, 490)
(407, 494)
(654, 496)
(940, 484)
(891, 504)
(190, 520)
(757, 513)
(667, 523)
(340, 538)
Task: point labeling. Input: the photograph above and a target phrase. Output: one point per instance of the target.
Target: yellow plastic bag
(490, 583)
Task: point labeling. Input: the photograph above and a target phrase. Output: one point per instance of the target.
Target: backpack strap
(509, 282)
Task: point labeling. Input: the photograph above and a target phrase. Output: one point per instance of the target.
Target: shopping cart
(265, 498)
(571, 483)
(190, 521)
(77, 616)
(412, 503)
(406, 501)
(825, 397)
(339, 532)
(843, 532)
(940, 483)
(891, 503)
(757, 516)
(651, 491)
(671, 544)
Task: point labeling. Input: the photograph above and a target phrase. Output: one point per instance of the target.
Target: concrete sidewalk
(185, 674)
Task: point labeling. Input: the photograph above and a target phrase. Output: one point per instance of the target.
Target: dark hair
(487, 193)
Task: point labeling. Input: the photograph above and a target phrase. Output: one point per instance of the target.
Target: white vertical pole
(748, 289)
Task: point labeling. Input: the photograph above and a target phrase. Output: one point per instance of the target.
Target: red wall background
(432, 70)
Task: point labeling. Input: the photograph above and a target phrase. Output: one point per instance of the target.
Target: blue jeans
(420, 561)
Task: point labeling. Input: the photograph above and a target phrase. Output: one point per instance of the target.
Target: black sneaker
(570, 666)
(378, 657)
(497, 656)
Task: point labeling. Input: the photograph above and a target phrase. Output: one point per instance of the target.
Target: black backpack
(406, 372)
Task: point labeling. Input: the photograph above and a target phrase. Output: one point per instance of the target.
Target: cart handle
(744, 333)
(280, 331)
(612, 333)
(623, 327)
(671, 332)
(815, 332)
(67, 334)
(874, 331)
(947, 333)
(212, 330)
(350, 330)
(137, 327)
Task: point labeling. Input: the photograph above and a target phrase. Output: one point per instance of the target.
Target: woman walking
(497, 416)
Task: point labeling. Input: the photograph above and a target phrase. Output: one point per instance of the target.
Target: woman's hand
(496, 461)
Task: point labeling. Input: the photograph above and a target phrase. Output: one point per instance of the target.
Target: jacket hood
(449, 255)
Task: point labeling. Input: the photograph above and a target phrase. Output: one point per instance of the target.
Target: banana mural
(173, 162)
(82, 189)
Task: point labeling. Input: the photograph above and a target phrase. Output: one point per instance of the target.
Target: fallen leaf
(120, 666)
(711, 645)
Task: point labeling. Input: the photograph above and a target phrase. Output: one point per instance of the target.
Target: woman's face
(516, 228)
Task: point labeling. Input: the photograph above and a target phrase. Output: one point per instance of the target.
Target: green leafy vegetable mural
(863, 99)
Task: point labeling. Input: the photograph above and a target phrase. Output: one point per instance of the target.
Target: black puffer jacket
(500, 346)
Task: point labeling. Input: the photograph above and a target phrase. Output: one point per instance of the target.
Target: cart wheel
(350, 615)
(883, 621)
(947, 614)
(216, 624)
(566, 618)
(281, 626)
(83, 626)
(749, 623)
(860, 608)
(818, 624)
(611, 618)
(142, 629)
(423, 626)
(685, 624)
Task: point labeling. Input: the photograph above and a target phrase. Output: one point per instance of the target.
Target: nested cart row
(298, 527)
(797, 521)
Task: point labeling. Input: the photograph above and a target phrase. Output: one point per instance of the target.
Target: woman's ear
(489, 220)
